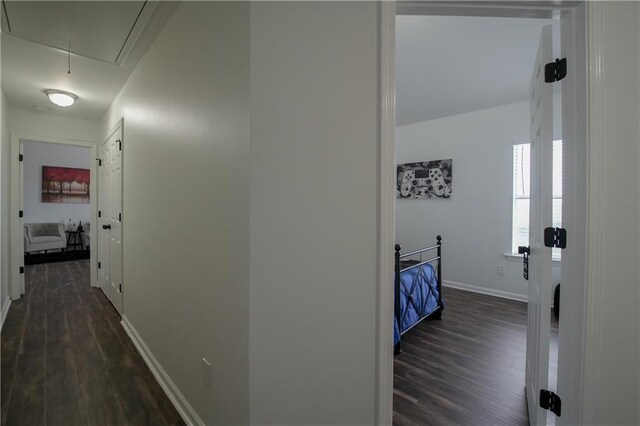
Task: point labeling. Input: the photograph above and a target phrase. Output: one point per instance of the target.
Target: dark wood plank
(67, 360)
(468, 368)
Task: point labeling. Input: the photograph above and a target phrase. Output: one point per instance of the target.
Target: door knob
(106, 226)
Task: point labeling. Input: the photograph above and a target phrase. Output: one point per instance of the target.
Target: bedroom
(473, 191)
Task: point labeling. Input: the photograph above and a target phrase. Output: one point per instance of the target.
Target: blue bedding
(418, 297)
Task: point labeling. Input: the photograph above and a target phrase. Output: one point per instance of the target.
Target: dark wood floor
(468, 368)
(66, 360)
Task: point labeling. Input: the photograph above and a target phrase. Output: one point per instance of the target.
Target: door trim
(16, 243)
(386, 214)
(594, 297)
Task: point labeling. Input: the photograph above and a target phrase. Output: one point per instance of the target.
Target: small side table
(74, 240)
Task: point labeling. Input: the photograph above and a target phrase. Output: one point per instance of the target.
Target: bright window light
(521, 184)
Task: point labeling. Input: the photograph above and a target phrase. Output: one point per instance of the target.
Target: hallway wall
(55, 126)
(314, 212)
(311, 179)
(186, 204)
(5, 143)
(612, 324)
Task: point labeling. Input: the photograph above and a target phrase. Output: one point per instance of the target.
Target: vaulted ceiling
(102, 41)
(452, 65)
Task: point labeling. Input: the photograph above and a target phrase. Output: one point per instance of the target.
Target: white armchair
(44, 236)
(86, 238)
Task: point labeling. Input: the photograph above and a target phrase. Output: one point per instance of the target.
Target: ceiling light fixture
(61, 98)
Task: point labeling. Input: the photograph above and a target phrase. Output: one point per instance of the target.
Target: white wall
(5, 144)
(611, 389)
(476, 222)
(38, 154)
(314, 184)
(186, 203)
(34, 123)
(313, 156)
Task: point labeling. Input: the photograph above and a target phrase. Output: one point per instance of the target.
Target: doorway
(53, 190)
(573, 18)
(56, 195)
(105, 210)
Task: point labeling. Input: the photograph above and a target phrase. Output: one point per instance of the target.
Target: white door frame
(584, 66)
(16, 245)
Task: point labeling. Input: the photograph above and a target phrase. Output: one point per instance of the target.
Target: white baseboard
(5, 311)
(178, 400)
(484, 290)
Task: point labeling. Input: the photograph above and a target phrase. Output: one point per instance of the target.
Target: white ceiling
(95, 29)
(453, 65)
(107, 40)
(28, 69)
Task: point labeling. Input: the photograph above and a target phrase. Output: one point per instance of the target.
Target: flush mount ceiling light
(61, 98)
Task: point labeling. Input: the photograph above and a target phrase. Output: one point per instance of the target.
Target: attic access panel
(96, 29)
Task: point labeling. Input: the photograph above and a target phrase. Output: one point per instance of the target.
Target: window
(521, 180)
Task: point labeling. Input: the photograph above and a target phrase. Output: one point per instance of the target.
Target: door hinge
(99, 265)
(119, 217)
(524, 250)
(120, 288)
(22, 269)
(555, 71)
(550, 401)
(119, 144)
(20, 157)
(555, 237)
(20, 213)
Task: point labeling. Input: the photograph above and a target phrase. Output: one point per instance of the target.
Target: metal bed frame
(437, 314)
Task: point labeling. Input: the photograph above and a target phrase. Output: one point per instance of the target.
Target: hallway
(67, 360)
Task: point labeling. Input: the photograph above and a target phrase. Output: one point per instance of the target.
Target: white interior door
(103, 209)
(115, 219)
(539, 302)
(23, 289)
(110, 220)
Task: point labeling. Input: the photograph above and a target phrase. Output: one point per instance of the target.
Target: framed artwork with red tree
(65, 185)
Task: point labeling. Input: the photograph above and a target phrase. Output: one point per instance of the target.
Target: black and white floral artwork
(427, 179)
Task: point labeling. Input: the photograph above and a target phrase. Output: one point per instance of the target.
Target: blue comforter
(418, 297)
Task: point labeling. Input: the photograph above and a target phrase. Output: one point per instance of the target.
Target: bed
(418, 293)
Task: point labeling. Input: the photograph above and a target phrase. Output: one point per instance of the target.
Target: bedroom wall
(314, 180)
(476, 222)
(186, 204)
(38, 154)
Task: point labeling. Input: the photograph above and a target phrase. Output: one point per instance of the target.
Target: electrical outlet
(206, 373)
(500, 270)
